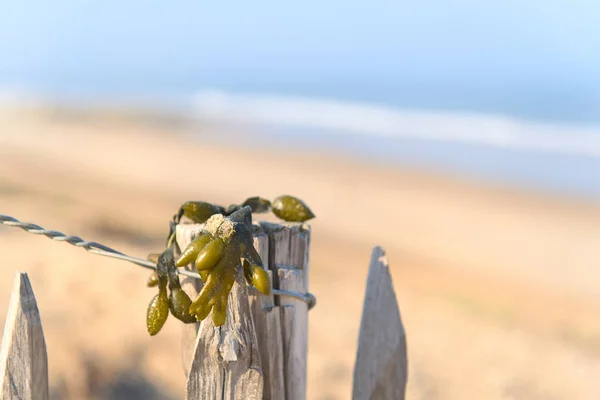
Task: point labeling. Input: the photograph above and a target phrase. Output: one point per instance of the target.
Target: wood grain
(289, 260)
(226, 364)
(261, 351)
(267, 321)
(380, 371)
(23, 356)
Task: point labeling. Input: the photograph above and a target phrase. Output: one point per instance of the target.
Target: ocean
(544, 156)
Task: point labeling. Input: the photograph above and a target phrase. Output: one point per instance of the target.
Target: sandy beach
(499, 289)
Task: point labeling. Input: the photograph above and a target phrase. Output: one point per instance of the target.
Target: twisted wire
(102, 250)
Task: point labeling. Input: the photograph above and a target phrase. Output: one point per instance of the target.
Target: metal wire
(102, 250)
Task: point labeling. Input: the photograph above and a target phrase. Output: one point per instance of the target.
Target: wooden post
(23, 357)
(289, 261)
(380, 371)
(260, 353)
(267, 322)
(224, 362)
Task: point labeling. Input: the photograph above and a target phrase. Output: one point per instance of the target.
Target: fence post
(289, 246)
(23, 357)
(260, 353)
(380, 371)
(267, 322)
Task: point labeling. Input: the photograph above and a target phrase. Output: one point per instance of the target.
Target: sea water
(547, 156)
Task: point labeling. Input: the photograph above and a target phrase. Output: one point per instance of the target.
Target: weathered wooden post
(23, 357)
(260, 353)
(380, 371)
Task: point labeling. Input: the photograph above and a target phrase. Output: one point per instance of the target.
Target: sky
(530, 56)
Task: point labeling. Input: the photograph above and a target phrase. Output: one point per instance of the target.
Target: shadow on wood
(380, 371)
(23, 357)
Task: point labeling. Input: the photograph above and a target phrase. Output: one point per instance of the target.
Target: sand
(498, 288)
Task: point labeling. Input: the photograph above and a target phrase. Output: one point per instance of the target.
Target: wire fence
(102, 250)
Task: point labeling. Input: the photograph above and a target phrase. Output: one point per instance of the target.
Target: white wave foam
(17, 95)
(367, 119)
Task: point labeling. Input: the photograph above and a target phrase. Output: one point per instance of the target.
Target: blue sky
(500, 55)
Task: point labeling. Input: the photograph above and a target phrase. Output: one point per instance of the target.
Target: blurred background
(462, 136)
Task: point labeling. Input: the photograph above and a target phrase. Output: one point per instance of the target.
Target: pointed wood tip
(23, 356)
(378, 258)
(22, 279)
(380, 370)
(22, 291)
(379, 265)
